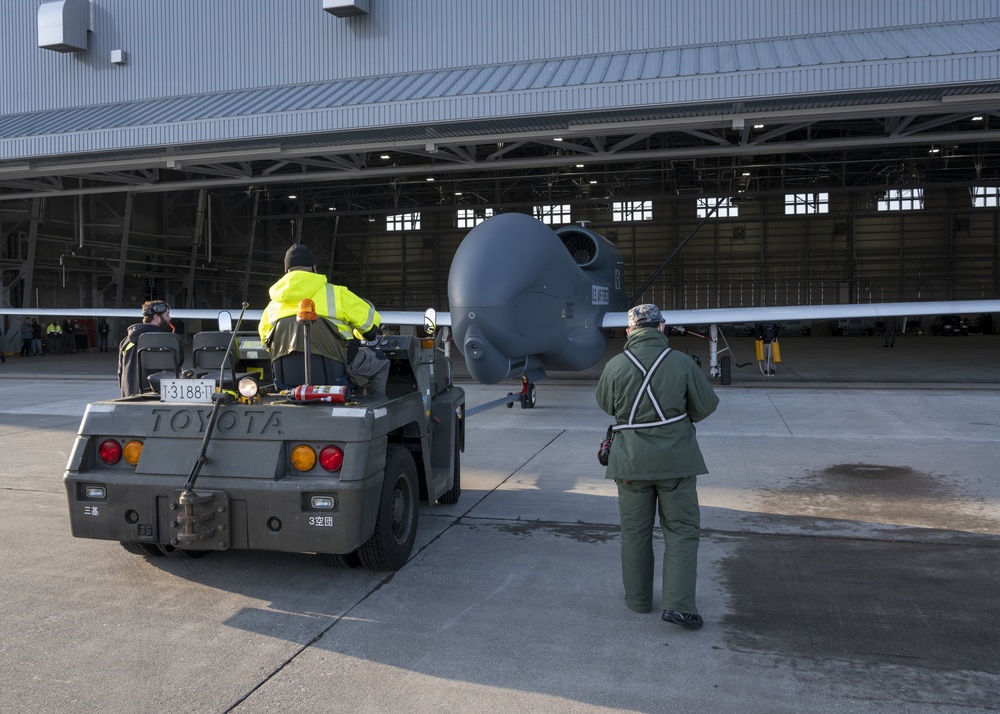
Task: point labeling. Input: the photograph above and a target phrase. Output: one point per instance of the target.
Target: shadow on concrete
(494, 601)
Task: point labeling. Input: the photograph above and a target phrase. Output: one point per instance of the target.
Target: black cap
(299, 256)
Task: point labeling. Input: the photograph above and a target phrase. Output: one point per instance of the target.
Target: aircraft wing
(405, 317)
(132, 312)
(726, 316)
(388, 317)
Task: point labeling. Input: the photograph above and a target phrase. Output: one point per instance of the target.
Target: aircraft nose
(485, 363)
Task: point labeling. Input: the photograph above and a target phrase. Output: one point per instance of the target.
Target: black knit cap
(299, 256)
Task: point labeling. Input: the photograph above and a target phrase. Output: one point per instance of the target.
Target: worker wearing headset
(155, 318)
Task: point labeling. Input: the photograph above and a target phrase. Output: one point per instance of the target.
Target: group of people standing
(60, 338)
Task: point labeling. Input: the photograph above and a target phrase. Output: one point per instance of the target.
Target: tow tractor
(219, 460)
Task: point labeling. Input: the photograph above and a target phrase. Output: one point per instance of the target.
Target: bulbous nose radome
(483, 360)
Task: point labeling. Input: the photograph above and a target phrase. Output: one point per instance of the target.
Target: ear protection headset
(156, 309)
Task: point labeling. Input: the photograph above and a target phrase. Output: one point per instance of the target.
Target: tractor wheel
(452, 495)
(398, 511)
(346, 561)
(182, 553)
(147, 549)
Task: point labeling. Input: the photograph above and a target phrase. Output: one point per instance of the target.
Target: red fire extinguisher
(336, 394)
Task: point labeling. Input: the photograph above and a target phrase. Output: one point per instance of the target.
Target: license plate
(187, 390)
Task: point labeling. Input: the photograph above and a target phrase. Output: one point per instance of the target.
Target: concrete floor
(848, 562)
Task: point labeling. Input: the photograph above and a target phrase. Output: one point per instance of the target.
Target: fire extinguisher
(336, 394)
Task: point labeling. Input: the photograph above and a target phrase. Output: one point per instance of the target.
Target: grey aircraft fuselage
(525, 298)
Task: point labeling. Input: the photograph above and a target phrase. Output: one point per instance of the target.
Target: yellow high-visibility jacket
(337, 307)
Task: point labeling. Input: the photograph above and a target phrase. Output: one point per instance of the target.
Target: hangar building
(796, 151)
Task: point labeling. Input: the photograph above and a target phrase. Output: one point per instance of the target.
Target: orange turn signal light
(133, 450)
(303, 457)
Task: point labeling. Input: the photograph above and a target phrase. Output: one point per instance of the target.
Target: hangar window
(403, 222)
(799, 204)
(624, 211)
(985, 196)
(724, 207)
(902, 199)
(552, 215)
(472, 217)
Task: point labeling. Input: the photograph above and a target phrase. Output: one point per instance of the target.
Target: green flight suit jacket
(659, 452)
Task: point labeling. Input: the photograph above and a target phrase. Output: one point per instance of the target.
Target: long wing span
(390, 317)
(725, 316)
(85, 312)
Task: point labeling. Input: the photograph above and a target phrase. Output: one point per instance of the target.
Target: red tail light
(110, 451)
(331, 458)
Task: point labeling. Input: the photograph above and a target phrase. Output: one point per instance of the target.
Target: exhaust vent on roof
(63, 25)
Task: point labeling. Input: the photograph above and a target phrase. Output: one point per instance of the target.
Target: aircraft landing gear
(527, 396)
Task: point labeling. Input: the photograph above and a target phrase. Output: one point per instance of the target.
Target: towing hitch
(202, 520)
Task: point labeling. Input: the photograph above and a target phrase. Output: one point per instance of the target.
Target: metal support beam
(28, 267)
(199, 226)
(122, 259)
(245, 286)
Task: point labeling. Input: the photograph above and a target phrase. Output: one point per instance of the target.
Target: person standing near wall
(36, 338)
(25, 337)
(890, 332)
(54, 334)
(69, 337)
(103, 329)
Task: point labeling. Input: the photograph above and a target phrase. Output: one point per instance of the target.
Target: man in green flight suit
(655, 396)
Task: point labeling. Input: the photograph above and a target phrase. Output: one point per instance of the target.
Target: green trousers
(676, 500)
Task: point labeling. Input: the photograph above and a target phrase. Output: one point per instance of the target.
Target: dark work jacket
(660, 452)
(128, 358)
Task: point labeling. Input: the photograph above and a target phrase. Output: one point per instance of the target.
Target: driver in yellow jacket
(342, 315)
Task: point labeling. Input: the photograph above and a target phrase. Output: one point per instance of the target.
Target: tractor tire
(398, 512)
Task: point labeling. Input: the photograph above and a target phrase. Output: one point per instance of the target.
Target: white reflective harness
(644, 390)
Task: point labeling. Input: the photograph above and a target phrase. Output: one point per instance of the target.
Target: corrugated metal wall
(195, 46)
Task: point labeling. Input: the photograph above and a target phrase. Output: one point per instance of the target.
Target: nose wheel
(527, 396)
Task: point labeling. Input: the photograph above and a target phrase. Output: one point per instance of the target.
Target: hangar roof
(876, 92)
(847, 70)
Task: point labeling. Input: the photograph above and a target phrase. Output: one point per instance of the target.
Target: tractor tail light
(110, 451)
(331, 458)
